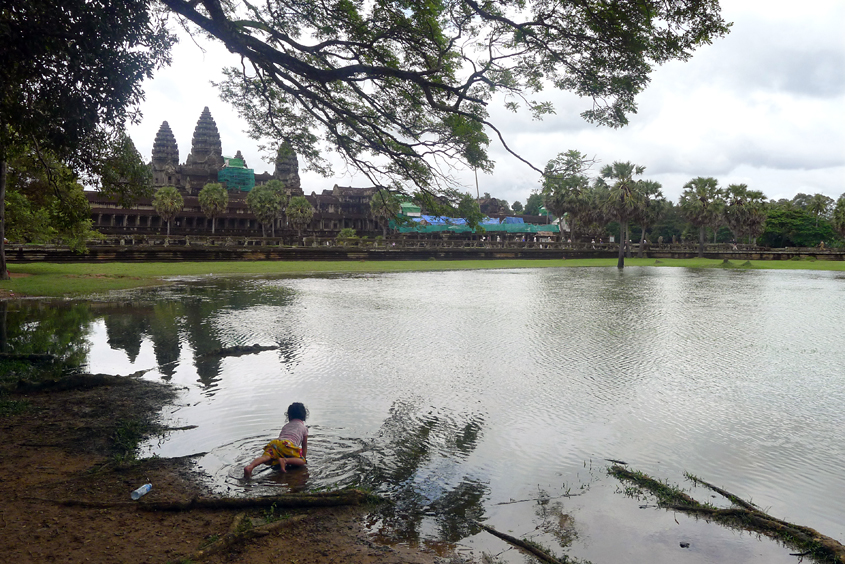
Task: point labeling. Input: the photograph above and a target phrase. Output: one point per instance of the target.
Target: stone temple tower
(206, 156)
(287, 169)
(165, 163)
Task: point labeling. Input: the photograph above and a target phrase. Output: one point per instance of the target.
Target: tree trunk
(213, 224)
(623, 230)
(642, 241)
(4, 273)
(701, 242)
(627, 240)
(168, 228)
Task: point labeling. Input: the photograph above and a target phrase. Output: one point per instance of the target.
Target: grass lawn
(79, 279)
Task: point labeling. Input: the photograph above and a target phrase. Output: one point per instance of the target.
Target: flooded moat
(498, 396)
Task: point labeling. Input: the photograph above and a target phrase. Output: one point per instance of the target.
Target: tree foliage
(701, 203)
(839, 215)
(820, 206)
(300, 213)
(745, 211)
(71, 76)
(168, 202)
(651, 209)
(565, 183)
(384, 205)
(624, 197)
(469, 210)
(533, 204)
(399, 88)
(790, 226)
(282, 195)
(213, 199)
(44, 202)
(263, 202)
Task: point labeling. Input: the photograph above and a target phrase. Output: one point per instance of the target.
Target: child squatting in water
(291, 446)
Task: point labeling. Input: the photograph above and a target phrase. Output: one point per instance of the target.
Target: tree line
(270, 203)
(615, 200)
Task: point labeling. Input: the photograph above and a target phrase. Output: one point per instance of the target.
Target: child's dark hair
(297, 411)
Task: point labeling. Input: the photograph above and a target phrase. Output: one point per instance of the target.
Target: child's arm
(305, 447)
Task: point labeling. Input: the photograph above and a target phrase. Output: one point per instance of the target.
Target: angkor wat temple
(334, 209)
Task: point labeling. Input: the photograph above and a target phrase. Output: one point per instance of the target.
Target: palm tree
(283, 196)
(564, 183)
(839, 215)
(213, 199)
(653, 205)
(264, 205)
(167, 202)
(700, 204)
(384, 205)
(624, 198)
(300, 213)
(745, 211)
(819, 205)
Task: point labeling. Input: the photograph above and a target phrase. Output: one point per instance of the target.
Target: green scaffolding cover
(242, 179)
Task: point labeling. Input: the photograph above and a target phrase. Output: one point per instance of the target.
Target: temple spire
(165, 149)
(206, 141)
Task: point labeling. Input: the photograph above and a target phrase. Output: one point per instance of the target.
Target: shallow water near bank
(498, 395)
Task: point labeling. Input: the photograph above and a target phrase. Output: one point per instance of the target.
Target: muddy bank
(76, 444)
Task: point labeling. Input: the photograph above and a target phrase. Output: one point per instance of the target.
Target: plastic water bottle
(141, 491)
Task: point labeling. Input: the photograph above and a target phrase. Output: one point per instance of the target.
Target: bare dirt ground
(62, 446)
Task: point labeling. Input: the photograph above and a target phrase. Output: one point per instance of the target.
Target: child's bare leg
(290, 462)
(251, 466)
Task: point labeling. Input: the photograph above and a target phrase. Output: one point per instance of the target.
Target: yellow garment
(284, 448)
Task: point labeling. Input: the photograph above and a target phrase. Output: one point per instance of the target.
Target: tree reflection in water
(191, 315)
(412, 461)
(45, 328)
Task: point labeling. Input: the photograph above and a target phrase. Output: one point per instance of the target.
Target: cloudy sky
(764, 106)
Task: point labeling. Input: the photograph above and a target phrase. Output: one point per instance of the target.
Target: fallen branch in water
(238, 350)
(745, 516)
(521, 544)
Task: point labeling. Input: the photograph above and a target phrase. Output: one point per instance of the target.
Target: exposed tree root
(287, 501)
(533, 550)
(241, 530)
(746, 515)
(239, 350)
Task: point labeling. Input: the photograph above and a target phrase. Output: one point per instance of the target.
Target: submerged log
(533, 550)
(287, 501)
(746, 515)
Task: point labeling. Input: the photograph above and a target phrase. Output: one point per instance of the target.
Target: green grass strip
(80, 279)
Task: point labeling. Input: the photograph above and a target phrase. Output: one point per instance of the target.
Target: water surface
(491, 395)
